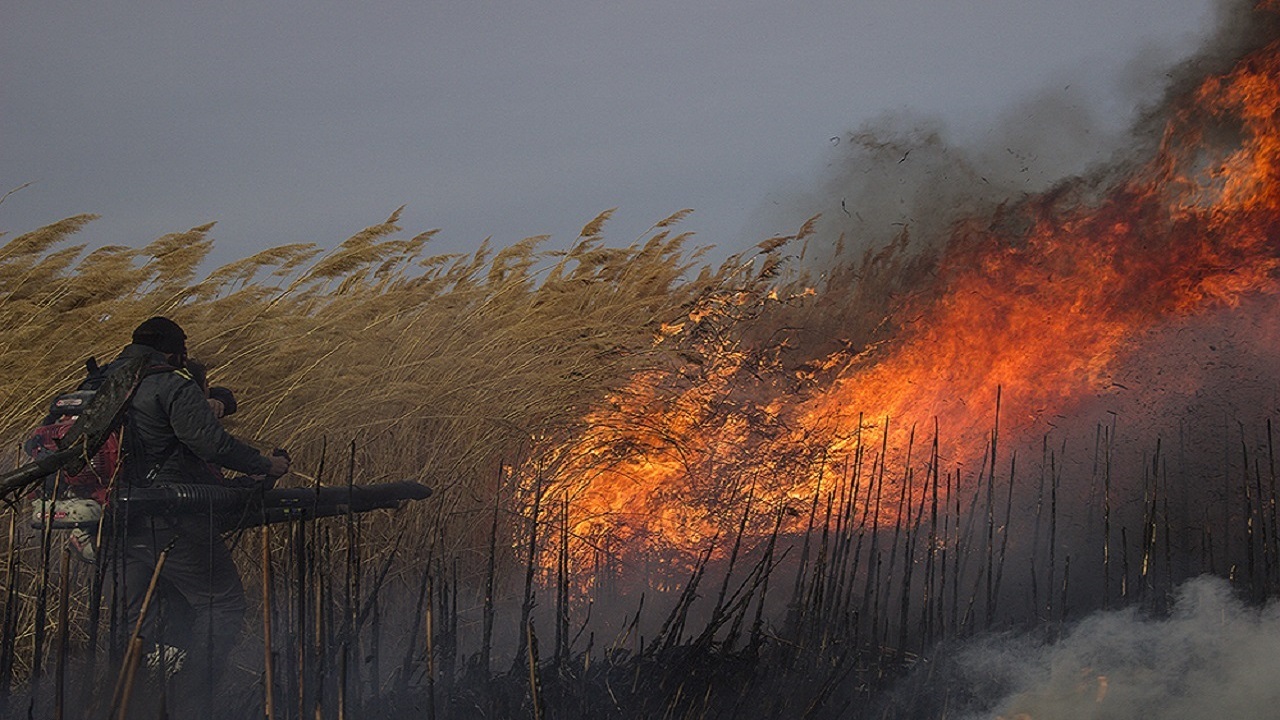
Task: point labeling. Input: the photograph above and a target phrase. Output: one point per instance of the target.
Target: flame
(1029, 312)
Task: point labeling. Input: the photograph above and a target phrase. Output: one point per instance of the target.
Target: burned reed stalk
(946, 542)
(962, 557)
(757, 625)
(486, 641)
(1151, 506)
(42, 590)
(849, 555)
(797, 593)
(443, 623)
(535, 686)
(908, 571)
(739, 604)
(318, 625)
(451, 654)
(268, 659)
(302, 586)
(64, 630)
(133, 654)
(1124, 563)
(991, 486)
(98, 576)
(840, 600)
(9, 626)
(1033, 570)
(903, 503)
(871, 591)
(898, 536)
(814, 608)
(430, 632)
(375, 641)
(1264, 531)
(1066, 586)
(1272, 511)
(526, 606)
(411, 647)
(817, 598)
(673, 628)
(561, 653)
(1168, 543)
(719, 608)
(931, 550)
(839, 549)
(1053, 529)
(1106, 520)
(1249, 532)
(1004, 537)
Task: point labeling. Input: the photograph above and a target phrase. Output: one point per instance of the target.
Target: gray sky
(291, 121)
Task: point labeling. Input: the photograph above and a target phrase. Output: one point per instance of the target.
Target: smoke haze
(1212, 657)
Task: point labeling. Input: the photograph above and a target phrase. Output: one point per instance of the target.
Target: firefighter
(177, 438)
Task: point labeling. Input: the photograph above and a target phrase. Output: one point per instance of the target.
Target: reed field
(376, 361)
(484, 376)
(766, 487)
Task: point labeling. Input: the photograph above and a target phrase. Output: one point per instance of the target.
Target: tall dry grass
(438, 368)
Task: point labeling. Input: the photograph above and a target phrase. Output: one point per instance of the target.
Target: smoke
(905, 172)
(1212, 656)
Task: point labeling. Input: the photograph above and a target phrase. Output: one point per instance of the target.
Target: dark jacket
(177, 433)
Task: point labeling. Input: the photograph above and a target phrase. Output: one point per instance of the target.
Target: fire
(1029, 312)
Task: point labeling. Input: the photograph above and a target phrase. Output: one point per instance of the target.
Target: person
(177, 438)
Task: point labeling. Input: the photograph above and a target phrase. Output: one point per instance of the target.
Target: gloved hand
(280, 463)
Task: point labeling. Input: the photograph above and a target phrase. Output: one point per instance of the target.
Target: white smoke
(1212, 657)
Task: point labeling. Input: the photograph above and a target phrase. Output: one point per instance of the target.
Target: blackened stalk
(1106, 520)
(871, 592)
(1004, 538)
(430, 631)
(1053, 527)
(124, 681)
(1035, 532)
(1272, 509)
(1149, 521)
(904, 504)
(797, 593)
(1249, 533)
(816, 599)
(318, 653)
(535, 691)
(733, 556)
(561, 653)
(1124, 563)
(9, 628)
(931, 551)
(268, 676)
(526, 607)
(42, 591)
(757, 626)
(60, 670)
(486, 643)
(301, 602)
(991, 487)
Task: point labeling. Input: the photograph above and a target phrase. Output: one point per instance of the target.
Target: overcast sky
(288, 121)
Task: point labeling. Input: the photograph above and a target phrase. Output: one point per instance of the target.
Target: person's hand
(279, 463)
(218, 408)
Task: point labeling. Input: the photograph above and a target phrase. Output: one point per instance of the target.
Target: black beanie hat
(162, 334)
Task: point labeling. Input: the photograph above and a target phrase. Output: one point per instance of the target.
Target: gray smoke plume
(1212, 657)
(908, 172)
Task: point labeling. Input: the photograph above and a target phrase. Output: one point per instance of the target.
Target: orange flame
(1034, 306)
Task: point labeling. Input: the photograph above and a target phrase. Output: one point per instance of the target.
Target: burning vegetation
(667, 490)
